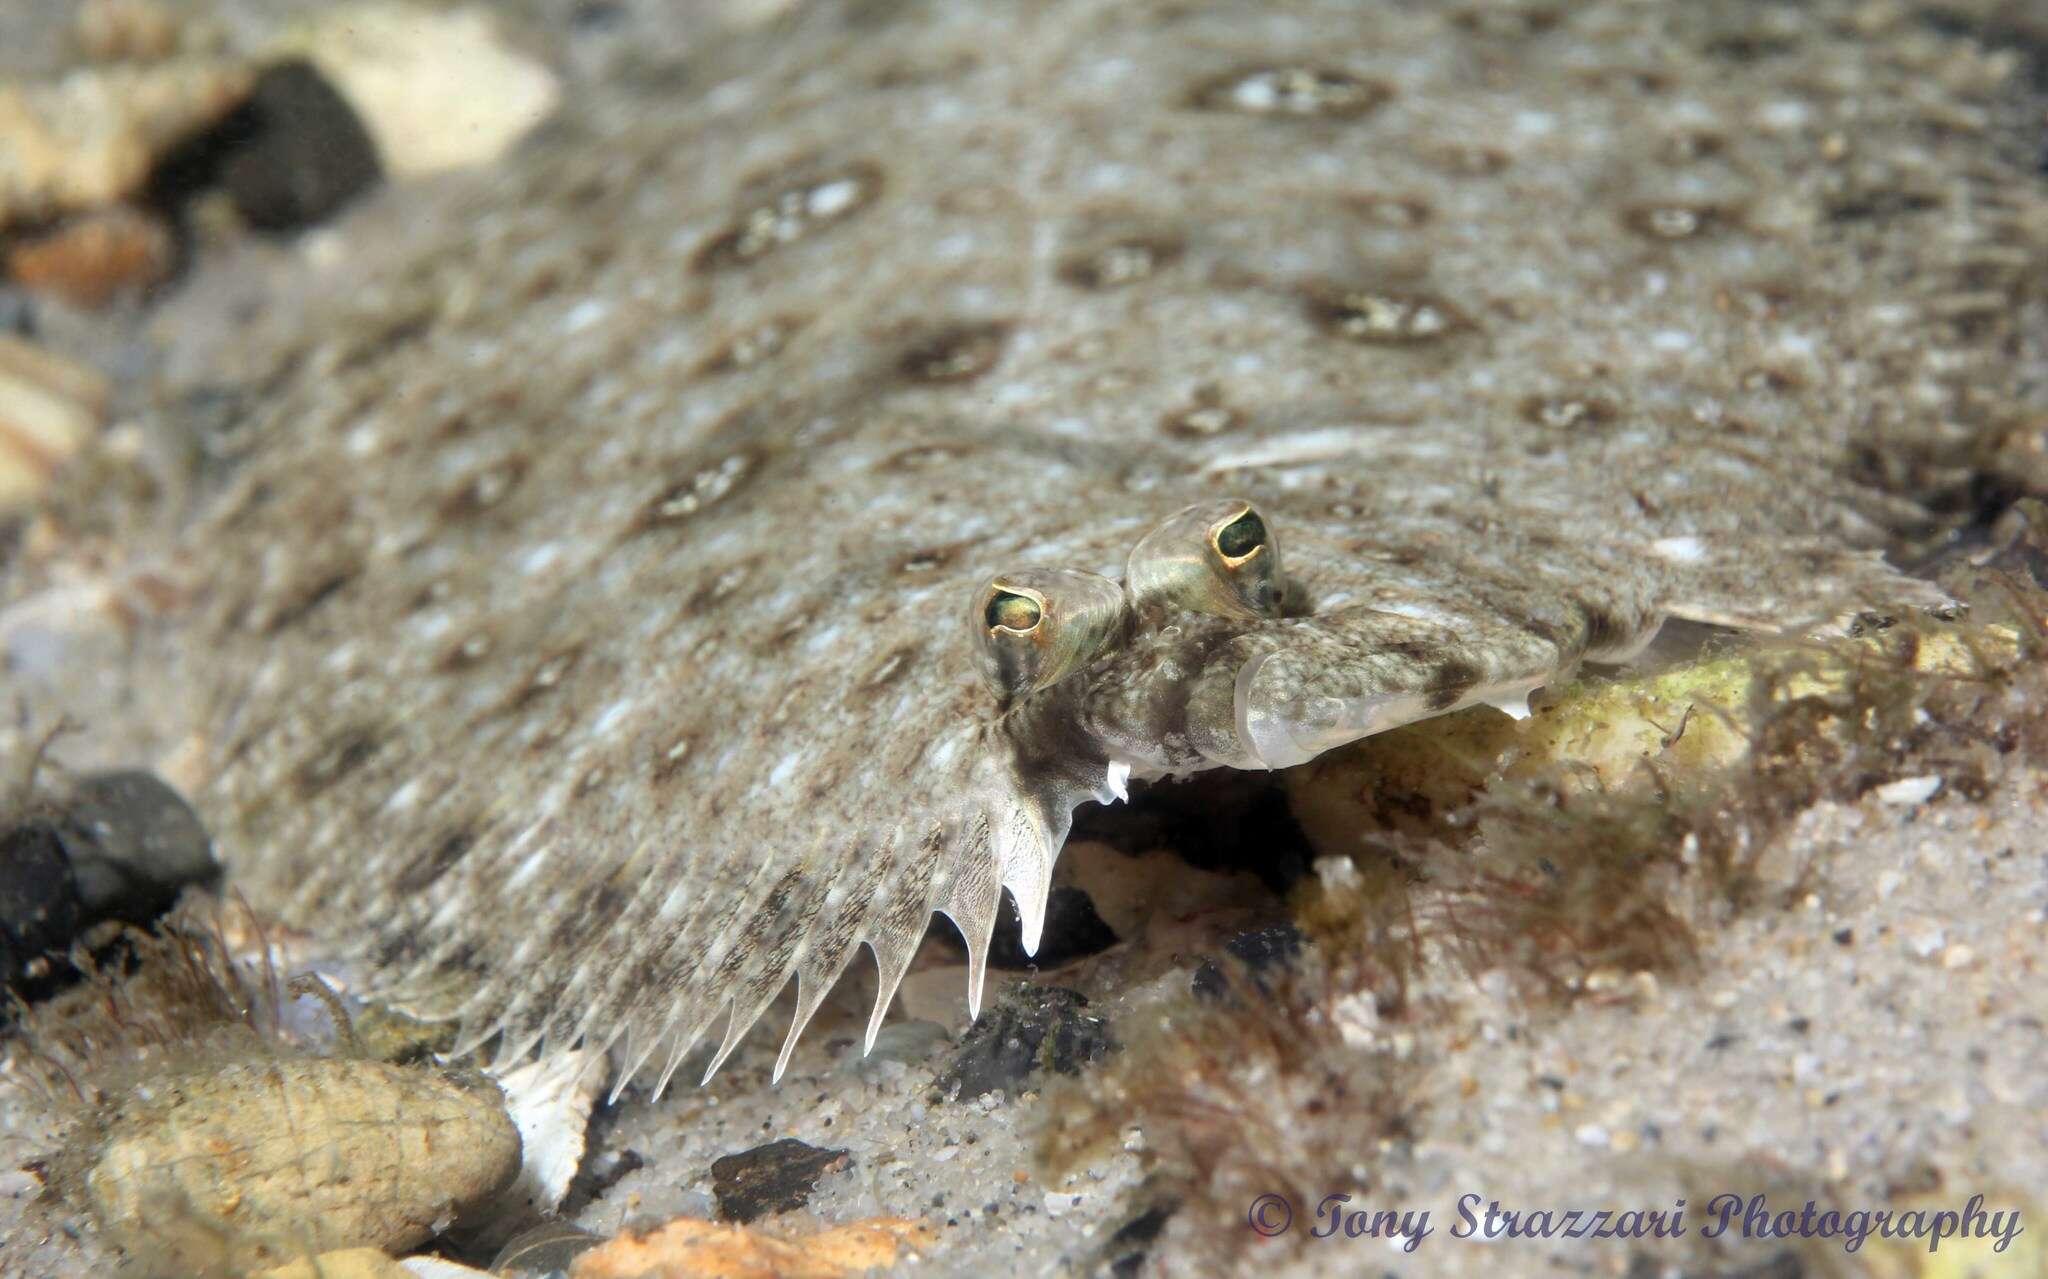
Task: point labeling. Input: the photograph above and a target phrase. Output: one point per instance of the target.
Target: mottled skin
(592, 635)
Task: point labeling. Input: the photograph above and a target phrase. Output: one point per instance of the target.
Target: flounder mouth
(1278, 726)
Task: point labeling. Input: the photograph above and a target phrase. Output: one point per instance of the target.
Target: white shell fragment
(1908, 791)
(437, 89)
(549, 1099)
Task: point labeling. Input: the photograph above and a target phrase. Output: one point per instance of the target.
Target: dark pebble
(294, 153)
(777, 1177)
(134, 844)
(39, 908)
(1258, 951)
(1038, 1027)
(1124, 1254)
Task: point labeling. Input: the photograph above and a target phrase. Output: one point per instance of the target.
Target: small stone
(39, 910)
(777, 1177)
(1958, 956)
(1924, 937)
(402, 1150)
(1259, 950)
(134, 844)
(92, 259)
(295, 153)
(1037, 1028)
(1124, 1254)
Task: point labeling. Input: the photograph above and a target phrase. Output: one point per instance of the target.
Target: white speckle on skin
(584, 314)
(831, 199)
(610, 717)
(539, 557)
(785, 768)
(672, 905)
(1422, 612)
(1784, 114)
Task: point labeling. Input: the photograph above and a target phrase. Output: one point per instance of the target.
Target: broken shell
(437, 89)
(49, 408)
(550, 1100)
(286, 1155)
(91, 138)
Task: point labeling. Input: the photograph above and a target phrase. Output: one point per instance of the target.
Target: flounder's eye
(1013, 612)
(1241, 539)
(1037, 626)
(1216, 557)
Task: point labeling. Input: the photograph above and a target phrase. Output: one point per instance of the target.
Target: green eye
(1012, 612)
(1036, 626)
(1215, 557)
(1236, 540)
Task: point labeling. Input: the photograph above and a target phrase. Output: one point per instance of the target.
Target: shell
(285, 1156)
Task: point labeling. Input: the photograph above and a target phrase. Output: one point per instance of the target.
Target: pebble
(115, 846)
(38, 899)
(94, 258)
(1035, 1027)
(134, 843)
(1924, 937)
(777, 1177)
(1260, 951)
(296, 152)
(402, 1150)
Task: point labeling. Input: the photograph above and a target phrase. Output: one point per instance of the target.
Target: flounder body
(770, 514)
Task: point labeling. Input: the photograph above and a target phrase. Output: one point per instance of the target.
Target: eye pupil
(1242, 536)
(1012, 612)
